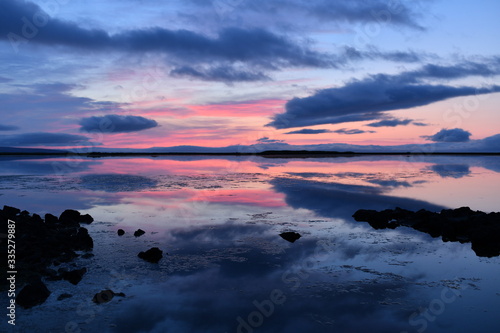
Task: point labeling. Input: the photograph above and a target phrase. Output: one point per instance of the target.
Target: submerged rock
(462, 225)
(152, 255)
(139, 232)
(64, 296)
(104, 296)
(290, 236)
(32, 294)
(74, 276)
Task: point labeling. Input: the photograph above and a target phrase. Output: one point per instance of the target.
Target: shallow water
(227, 268)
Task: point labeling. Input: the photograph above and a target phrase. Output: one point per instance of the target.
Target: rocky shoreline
(462, 225)
(45, 248)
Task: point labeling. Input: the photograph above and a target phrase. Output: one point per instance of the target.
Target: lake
(227, 268)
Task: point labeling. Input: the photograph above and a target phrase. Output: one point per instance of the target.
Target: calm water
(227, 268)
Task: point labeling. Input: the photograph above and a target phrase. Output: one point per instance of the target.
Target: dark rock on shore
(290, 236)
(74, 276)
(41, 243)
(32, 294)
(87, 219)
(139, 232)
(462, 225)
(69, 216)
(64, 296)
(120, 232)
(104, 296)
(152, 255)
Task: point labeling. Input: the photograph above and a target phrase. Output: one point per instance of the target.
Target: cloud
(113, 123)
(351, 131)
(219, 73)
(44, 139)
(53, 98)
(252, 46)
(366, 99)
(310, 131)
(338, 200)
(339, 131)
(390, 123)
(350, 53)
(267, 140)
(283, 13)
(451, 170)
(449, 135)
(8, 128)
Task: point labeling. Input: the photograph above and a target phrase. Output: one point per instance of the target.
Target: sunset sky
(144, 73)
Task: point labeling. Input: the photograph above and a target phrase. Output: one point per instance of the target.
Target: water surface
(227, 268)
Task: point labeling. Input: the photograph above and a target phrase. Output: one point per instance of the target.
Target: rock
(87, 219)
(67, 256)
(87, 255)
(139, 232)
(11, 212)
(70, 216)
(63, 296)
(104, 296)
(152, 255)
(51, 219)
(290, 236)
(121, 232)
(82, 240)
(36, 219)
(452, 225)
(46, 243)
(74, 276)
(35, 293)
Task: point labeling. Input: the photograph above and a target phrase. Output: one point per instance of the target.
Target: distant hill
(11, 150)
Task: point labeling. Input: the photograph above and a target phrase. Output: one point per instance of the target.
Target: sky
(295, 73)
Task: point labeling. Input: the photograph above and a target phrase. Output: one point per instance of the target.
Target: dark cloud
(113, 123)
(351, 131)
(8, 128)
(390, 183)
(449, 135)
(361, 11)
(219, 73)
(368, 98)
(451, 170)
(284, 12)
(338, 200)
(350, 53)
(254, 46)
(54, 99)
(44, 139)
(390, 123)
(310, 131)
(416, 123)
(490, 67)
(267, 140)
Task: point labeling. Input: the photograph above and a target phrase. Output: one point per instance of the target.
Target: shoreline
(266, 154)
